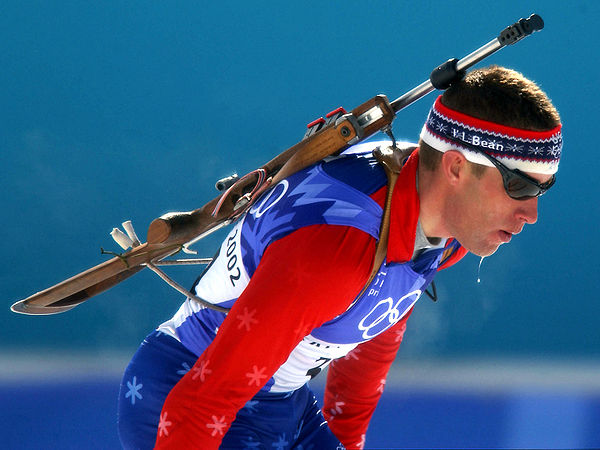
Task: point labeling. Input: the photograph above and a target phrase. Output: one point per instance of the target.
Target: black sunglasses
(517, 184)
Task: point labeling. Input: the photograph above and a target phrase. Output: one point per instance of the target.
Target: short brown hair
(498, 95)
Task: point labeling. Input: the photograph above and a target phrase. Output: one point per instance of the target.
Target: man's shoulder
(357, 167)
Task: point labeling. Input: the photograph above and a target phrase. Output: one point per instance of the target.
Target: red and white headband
(528, 151)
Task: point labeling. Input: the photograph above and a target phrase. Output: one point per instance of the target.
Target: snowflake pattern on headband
(494, 143)
(529, 150)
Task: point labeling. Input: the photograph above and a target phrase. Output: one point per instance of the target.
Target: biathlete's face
(484, 216)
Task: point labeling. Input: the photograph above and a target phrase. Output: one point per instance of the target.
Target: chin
(482, 250)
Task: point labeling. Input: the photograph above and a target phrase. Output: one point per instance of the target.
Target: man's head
(491, 144)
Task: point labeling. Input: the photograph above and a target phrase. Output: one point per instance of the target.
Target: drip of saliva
(479, 270)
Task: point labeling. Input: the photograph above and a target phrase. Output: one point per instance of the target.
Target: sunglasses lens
(521, 187)
(518, 187)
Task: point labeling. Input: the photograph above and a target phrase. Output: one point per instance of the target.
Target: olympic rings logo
(385, 314)
(260, 209)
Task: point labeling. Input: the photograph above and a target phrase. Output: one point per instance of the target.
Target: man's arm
(355, 383)
(302, 281)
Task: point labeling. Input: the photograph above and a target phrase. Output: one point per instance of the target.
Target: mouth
(505, 236)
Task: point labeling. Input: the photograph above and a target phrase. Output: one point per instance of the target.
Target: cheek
(475, 208)
(488, 200)
(462, 215)
(474, 202)
(478, 210)
(485, 215)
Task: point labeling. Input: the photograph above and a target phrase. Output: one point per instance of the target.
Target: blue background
(127, 110)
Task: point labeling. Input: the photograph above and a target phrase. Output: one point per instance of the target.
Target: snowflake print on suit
(250, 443)
(251, 406)
(247, 319)
(217, 425)
(186, 369)
(256, 376)
(200, 370)
(163, 425)
(281, 443)
(134, 390)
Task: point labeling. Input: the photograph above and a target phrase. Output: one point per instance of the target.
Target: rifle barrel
(508, 36)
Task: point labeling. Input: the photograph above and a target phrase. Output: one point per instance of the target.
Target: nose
(528, 210)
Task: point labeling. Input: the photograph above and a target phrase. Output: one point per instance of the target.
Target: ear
(453, 165)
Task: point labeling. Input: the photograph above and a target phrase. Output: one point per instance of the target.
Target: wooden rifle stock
(170, 233)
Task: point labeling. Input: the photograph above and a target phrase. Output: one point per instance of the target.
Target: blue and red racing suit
(291, 270)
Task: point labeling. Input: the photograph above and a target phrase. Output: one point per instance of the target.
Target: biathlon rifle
(175, 232)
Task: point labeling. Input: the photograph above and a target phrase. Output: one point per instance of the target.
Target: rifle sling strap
(392, 159)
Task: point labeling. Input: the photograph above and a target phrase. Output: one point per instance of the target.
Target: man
(296, 271)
